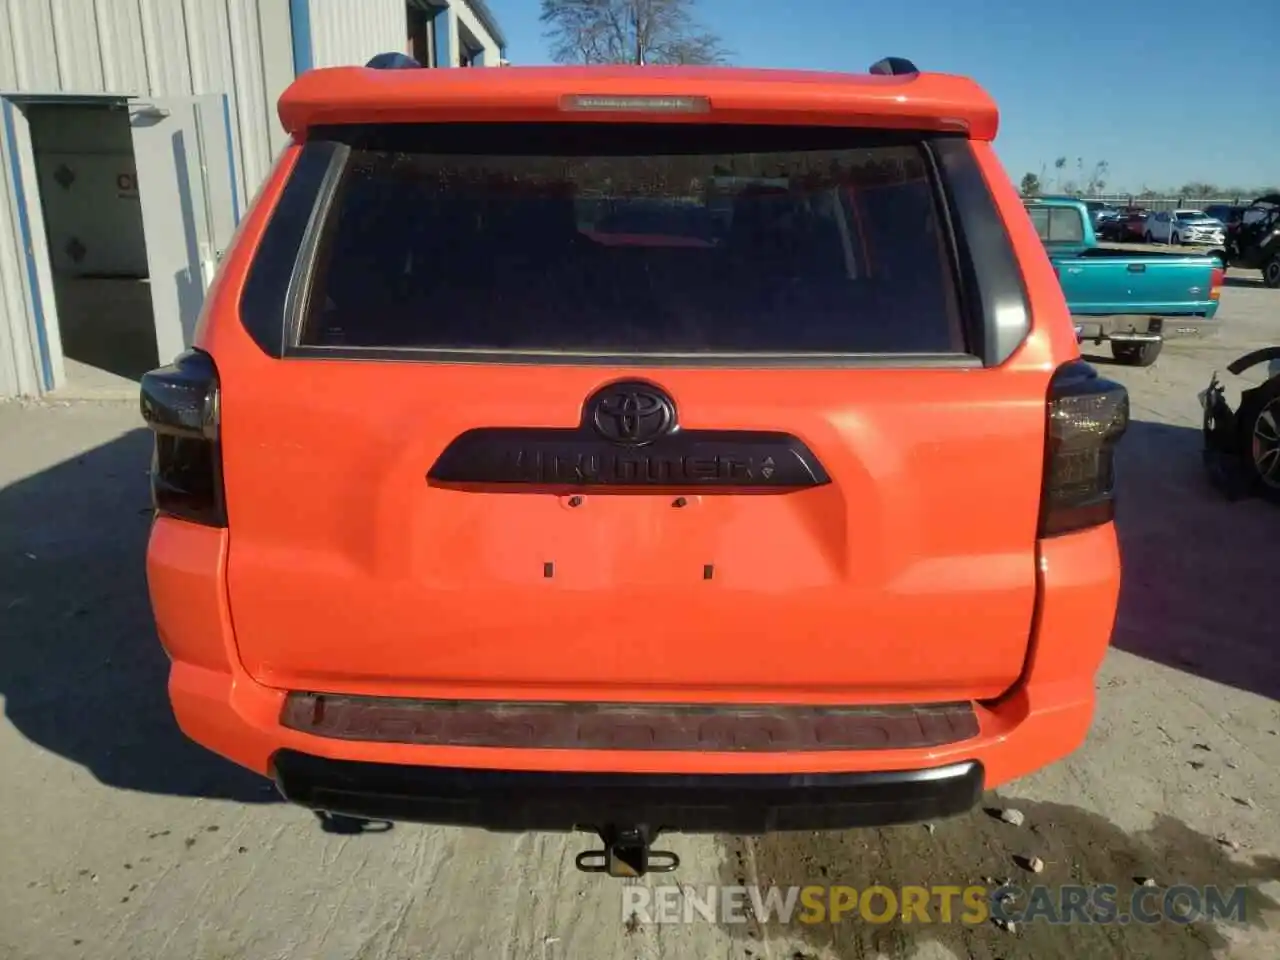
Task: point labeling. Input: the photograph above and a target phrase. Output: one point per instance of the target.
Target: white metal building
(133, 133)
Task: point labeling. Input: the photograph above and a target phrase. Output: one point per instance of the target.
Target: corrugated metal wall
(141, 48)
(18, 372)
(158, 48)
(344, 33)
(464, 17)
(243, 48)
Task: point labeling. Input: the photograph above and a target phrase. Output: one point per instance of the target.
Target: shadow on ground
(1198, 590)
(1236, 281)
(1198, 596)
(81, 671)
(979, 850)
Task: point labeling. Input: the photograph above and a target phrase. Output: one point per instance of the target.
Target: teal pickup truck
(1134, 299)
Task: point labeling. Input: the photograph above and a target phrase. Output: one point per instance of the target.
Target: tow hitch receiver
(626, 853)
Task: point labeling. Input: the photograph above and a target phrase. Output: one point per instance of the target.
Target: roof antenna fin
(893, 67)
(393, 61)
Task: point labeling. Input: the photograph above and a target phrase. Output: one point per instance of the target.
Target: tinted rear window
(1058, 224)
(633, 239)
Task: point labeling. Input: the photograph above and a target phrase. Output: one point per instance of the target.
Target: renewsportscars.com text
(974, 904)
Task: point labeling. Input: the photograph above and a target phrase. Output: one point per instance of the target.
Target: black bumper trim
(518, 801)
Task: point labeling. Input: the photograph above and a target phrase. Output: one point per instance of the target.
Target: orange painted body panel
(359, 95)
(916, 576)
(911, 577)
(1045, 717)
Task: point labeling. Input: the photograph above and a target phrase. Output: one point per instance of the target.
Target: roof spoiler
(340, 95)
(893, 67)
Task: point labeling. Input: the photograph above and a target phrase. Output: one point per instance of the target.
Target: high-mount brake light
(180, 404)
(593, 103)
(1087, 416)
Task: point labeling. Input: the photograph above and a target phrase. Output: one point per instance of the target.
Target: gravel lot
(123, 840)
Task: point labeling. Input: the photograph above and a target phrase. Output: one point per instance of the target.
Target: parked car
(1184, 226)
(1254, 241)
(1133, 225)
(1242, 446)
(463, 517)
(1100, 211)
(1134, 300)
(1225, 213)
(1116, 229)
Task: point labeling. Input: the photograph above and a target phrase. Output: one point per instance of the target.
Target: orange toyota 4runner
(635, 449)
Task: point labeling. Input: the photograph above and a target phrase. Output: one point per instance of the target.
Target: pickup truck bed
(1100, 281)
(1136, 299)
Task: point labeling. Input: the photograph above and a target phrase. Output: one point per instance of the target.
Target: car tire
(1271, 272)
(1137, 354)
(1258, 423)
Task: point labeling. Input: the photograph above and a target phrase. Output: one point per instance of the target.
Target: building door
(186, 188)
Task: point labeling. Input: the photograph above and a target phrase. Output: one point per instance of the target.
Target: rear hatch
(629, 410)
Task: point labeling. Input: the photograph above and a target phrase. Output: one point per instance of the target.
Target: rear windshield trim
(436, 139)
(662, 360)
(303, 267)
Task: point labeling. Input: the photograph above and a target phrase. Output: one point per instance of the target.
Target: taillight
(180, 405)
(1087, 416)
(1216, 276)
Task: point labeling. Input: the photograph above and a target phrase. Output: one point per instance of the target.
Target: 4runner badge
(628, 435)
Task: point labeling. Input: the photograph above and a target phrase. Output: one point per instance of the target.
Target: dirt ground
(122, 840)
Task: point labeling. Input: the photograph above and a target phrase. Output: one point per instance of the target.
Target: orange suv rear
(635, 449)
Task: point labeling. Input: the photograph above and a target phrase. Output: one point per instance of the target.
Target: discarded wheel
(1258, 433)
(1271, 273)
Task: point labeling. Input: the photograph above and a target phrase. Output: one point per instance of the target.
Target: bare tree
(629, 31)
(1088, 182)
(1095, 181)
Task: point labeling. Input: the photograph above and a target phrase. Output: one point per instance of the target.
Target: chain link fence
(1166, 204)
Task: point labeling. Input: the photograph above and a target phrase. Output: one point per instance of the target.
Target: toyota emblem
(633, 413)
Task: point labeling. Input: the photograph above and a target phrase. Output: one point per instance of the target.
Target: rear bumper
(1139, 328)
(1042, 718)
(686, 803)
(1200, 237)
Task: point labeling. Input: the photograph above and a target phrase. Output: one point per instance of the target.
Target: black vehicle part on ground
(1249, 360)
(1236, 454)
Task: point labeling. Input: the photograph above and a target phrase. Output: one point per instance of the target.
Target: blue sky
(1167, 91)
